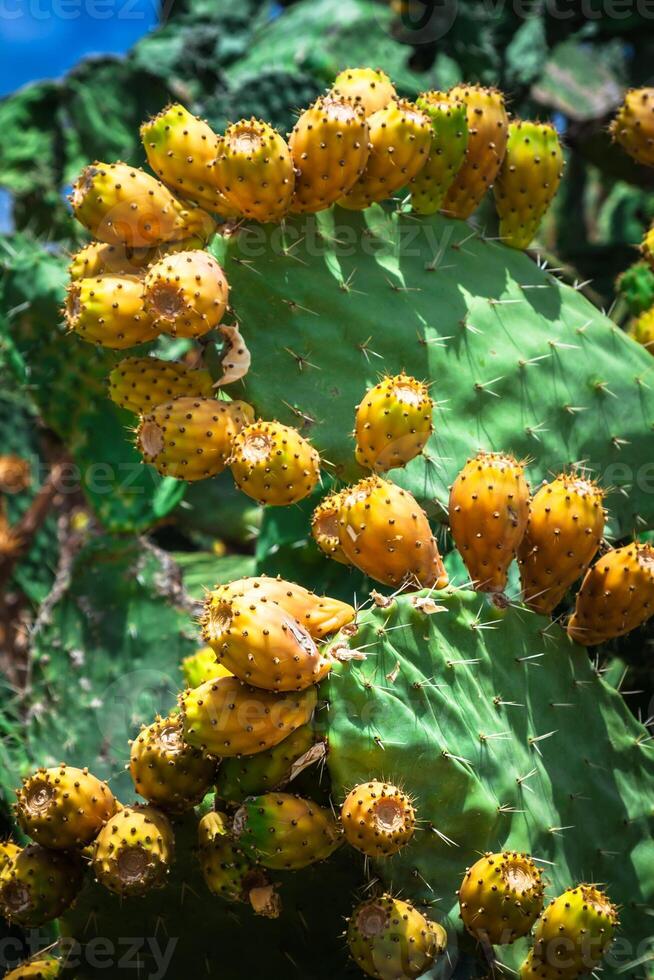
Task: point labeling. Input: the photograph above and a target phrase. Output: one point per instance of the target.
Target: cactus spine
(186, 293)
(389, 938)
(133, 852)
(393, 423)
(165, 770)
(63, 807)
(254, 170)
(138, 384)
(501, 896)
(274, 464)
(286, 832)
(378, 819)
(450, 128)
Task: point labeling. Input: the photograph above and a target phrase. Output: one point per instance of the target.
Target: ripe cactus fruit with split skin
(108, 310)
(227, 870)
(133, 852)
(265, 771)
(633, 126)
(575, 930)
(254, 170)
(325, 526)
(386, 534)
(274, 464)
(564, 531)
(225, 717)
(489, 509)
(165, 770)
(285, 832)
(369, 88)
(329, 146)
(487, 135)
(501, 896)
(393, 423)
(642, 329)
(202, 666)
(400, 139)
(390, 939)
(63, 807)
(378, 819)
(616, 595)
(449, 123)
(39, 885)
(122, 205)
(141, 383)
(191, 438)
(41, 967)
(527, 181)
(186, 293)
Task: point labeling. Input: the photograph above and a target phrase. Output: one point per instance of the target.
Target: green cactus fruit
(642, 329)
(63, 807)
(636, 287)
(285, 832)
(390, 939)
(122, 205)
(226, 717)
(265, 771)
(140, 383)
(133, 852)
(487, 136)
(369, 88)
(400, 140)
(393, 423)
(254, 170)
(533, 969)
(633, 125)
(527, 181)
(185, 293)
(227, 870)
(202, 666)
(575, 930)
(501, 896)
(165, 770)
(378, 818)
(190, 438)
(449, 121)
(39, 885)
(329, 146)
(109, 311)
(325, 526)
(41, 967)
(489, 509)
(274, 464)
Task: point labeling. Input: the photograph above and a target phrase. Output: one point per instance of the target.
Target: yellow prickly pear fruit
(329, 146)
(41, 967)
(489, 509)
(642, 329)
(647, 246)
(108, 310)
(262, 643)
(575, 931)
(389, 938)
(564, 531)
(449, 123)
(501, 896)
(225, 717)
(133, 852)
(254, 170)
(385, 533)
(533, 969)
(487, 135)
(319, 615)
(633, 126)
(616, 595)
(63, 807)
(39, 885)
(274, 464)
(123, 205)
(186, 293)
(227, 870)
(393, 423)
(285, 832)
(140, 383)
(369, 88)
(100, 259)
(191, 438)
(400, 138)
(325, 526)
(527, 181)
(202, 666)
(378, 819)
(8, 851)
(165, 770)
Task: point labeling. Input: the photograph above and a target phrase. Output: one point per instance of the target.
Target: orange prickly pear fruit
(133, 852)
(140, 383)
(528, 180)
(400, 138)
(642, 329)
(575, 931)
(564, 531)
(186, 293)
(274, 464)
(63, 807)
(123, 205)
(108, 310)
(389, 938)
(633, 126)
(393, 423)
(487, 135)
(165, 770)
(385, 533)
(449, 123)
(501, 896)
(369, 88)
(616, 595)
(325, 527)
(378, 819)
(254, 170)
(489, 509)
(329, 146)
